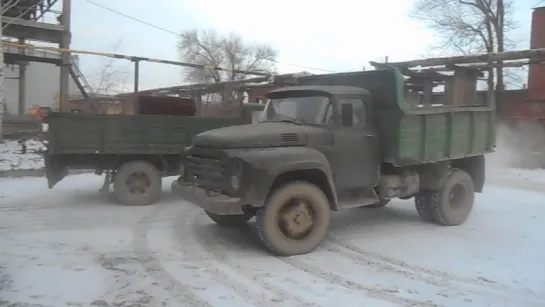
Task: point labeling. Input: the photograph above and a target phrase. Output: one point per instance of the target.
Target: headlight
(235, 182)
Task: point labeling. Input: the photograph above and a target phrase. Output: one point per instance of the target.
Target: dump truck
(134, 150)
(340, 141)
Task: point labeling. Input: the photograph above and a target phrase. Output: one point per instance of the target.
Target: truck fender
(315, 172)
(273, 165)
(158, 160)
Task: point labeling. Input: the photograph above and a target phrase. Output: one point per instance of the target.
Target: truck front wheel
(137, 183)
(294, 220)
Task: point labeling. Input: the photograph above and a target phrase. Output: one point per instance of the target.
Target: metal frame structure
(21, 21)
(424, 73)
(38, 53)
(30, 9)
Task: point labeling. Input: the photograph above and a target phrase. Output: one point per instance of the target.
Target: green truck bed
(104, 134)
(122, 134)
(419, 134)
(437, 133)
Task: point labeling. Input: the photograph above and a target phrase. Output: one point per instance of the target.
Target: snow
(530, 175)
(71, 247)
(12, 158)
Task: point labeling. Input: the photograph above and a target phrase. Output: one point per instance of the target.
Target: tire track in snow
(382, 294)
(123, 293)
(216, 247)
(9, 208)
(178, 290)
(372, 292)
(215, 271)
(429, 276)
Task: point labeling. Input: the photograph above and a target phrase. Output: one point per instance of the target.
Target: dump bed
(415, 134)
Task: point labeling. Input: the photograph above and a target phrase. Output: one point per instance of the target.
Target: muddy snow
(71, 247)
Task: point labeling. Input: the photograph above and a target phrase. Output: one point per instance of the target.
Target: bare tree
(470, 26)
(109, 78)
(207, 47)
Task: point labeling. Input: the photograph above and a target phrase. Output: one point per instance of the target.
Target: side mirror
(347, 114)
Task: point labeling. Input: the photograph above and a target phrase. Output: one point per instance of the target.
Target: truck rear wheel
(423, 202)
(137, 183)
(455, 199)
(451, 205)
(229, 220)
(294, 220)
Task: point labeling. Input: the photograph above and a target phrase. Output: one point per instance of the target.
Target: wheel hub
(297, 219)
(138, 183)
(457, 196)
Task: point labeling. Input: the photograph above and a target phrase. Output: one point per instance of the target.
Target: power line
(178, 34)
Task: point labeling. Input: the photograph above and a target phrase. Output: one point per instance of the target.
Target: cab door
(356, 163)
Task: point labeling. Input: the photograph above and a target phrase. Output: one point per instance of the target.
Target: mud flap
(55, 171)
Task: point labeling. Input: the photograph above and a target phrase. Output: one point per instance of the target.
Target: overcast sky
(341, 35)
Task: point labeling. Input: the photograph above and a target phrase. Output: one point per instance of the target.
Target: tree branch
(207, 47)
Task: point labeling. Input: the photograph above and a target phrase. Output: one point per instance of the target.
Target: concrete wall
(42, 85)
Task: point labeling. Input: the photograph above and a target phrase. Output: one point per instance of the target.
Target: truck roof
(329, 89)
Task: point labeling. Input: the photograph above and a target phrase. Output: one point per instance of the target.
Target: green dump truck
(341, 141)
(135, 151)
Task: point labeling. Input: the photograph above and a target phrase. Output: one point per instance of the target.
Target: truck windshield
(303, 110)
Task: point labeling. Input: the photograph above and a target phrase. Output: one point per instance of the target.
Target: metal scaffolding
(25, 21)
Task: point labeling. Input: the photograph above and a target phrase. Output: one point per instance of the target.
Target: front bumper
(211, 201)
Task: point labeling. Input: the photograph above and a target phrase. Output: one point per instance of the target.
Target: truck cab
(320, 136)
(321, 148)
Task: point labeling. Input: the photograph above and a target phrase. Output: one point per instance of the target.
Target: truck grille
(208, 172)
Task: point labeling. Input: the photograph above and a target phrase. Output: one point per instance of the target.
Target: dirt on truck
(134, 151)
(340, 141)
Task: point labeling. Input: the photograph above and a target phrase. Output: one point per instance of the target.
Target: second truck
(341, 141)
(134, 150)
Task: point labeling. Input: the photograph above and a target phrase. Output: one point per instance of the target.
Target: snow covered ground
(70, 247)
(11, 157)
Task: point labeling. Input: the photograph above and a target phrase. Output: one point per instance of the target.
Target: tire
(456, 199)
(423, 203)
(274, 236)
(381, 204)
(229, 220)
(149, 183)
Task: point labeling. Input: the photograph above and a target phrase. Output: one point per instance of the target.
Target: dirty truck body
(135, 151)
(334, 142)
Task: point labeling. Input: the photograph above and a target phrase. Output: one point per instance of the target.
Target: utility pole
(65, 56)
